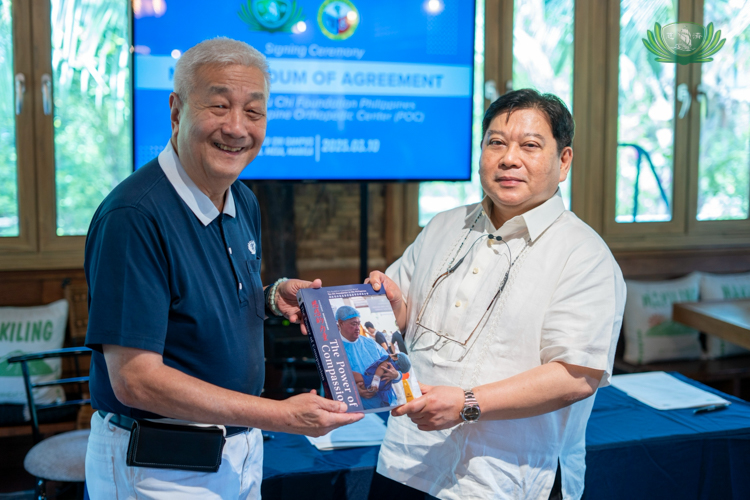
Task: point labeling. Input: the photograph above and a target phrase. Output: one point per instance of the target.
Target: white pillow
(650, 333)
(724, 287)
(25, 330)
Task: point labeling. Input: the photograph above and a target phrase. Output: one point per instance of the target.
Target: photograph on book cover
(358, 347)
(377, 355)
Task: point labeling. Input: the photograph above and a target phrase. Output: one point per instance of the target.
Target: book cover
(355, 339)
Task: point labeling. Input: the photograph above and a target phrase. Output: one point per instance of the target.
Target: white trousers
(108, 478)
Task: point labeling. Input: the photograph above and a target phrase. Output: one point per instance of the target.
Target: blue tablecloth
(633, 452)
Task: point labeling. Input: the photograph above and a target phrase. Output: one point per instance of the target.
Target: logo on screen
(338, 19)
(271, 15)
(684, 43)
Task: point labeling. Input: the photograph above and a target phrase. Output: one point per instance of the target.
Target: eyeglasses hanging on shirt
(420, 321)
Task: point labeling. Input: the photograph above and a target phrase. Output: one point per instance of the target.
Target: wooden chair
(61, 457)
(76, 293)
(14, 418)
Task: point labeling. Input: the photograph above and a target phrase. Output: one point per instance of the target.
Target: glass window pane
(645, 128)
(724, 161)
(543, 52)
(92, 116)
(8, 172)
(436, 197)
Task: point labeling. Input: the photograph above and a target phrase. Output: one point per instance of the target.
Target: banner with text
(359, 90)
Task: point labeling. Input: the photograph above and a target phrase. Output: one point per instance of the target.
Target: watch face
(471, 413)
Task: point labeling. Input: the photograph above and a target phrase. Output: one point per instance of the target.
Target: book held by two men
(353, 332)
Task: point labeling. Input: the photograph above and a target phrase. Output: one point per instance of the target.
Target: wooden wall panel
(655, 265)
(32, 288)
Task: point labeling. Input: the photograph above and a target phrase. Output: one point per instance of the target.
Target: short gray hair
(220, 51)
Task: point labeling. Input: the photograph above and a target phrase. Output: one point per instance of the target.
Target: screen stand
(364, 198)
(277, 227)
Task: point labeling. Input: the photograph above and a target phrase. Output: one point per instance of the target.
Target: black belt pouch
(179, 447)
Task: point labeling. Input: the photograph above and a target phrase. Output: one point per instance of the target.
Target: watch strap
(471, 411)
(470, 399)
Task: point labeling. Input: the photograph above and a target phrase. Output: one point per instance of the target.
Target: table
(727, 319)
(633, 451)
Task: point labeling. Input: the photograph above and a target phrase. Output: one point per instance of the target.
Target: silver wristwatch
(471, 411)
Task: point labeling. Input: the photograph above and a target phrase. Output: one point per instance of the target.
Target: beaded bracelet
(272, 297)
(266, 293)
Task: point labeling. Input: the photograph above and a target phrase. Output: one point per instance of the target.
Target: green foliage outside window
(645, 116)
(8, 171)
(543, 36)
(542, 59)
(92, 96)
(724, 161)
(93, 118)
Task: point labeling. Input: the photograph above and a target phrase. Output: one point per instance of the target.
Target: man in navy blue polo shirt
(176, 304)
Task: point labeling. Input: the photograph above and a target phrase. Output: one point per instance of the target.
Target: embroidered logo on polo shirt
(251, 246)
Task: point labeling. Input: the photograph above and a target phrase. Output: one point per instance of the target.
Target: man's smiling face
(520, 166)
(219, 128)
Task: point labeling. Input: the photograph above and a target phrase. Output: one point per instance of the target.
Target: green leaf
(247, 17)
(711, 39)
(656, 48)
(655, 51)
(657, 42)
(713, 51)
(714, 46)
(657, 36)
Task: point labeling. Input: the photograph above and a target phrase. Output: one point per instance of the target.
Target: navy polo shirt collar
(197, 200)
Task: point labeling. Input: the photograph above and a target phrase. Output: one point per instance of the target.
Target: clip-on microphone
(489, 237)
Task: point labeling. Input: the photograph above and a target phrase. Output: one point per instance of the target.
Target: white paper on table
(369, 431)
(662, 391)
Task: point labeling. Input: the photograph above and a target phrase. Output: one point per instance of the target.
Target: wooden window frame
(595, 91)
(38, 246)
(684, 231)
(402, 200)
(613, 229)
(724, 228)
(25, 158)
(49, 242)
(594, 171)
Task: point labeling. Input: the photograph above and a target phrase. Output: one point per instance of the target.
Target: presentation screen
(360, 90)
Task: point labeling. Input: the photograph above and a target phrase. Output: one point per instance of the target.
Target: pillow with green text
(650, 333)
(25, 330)
(724, 287)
